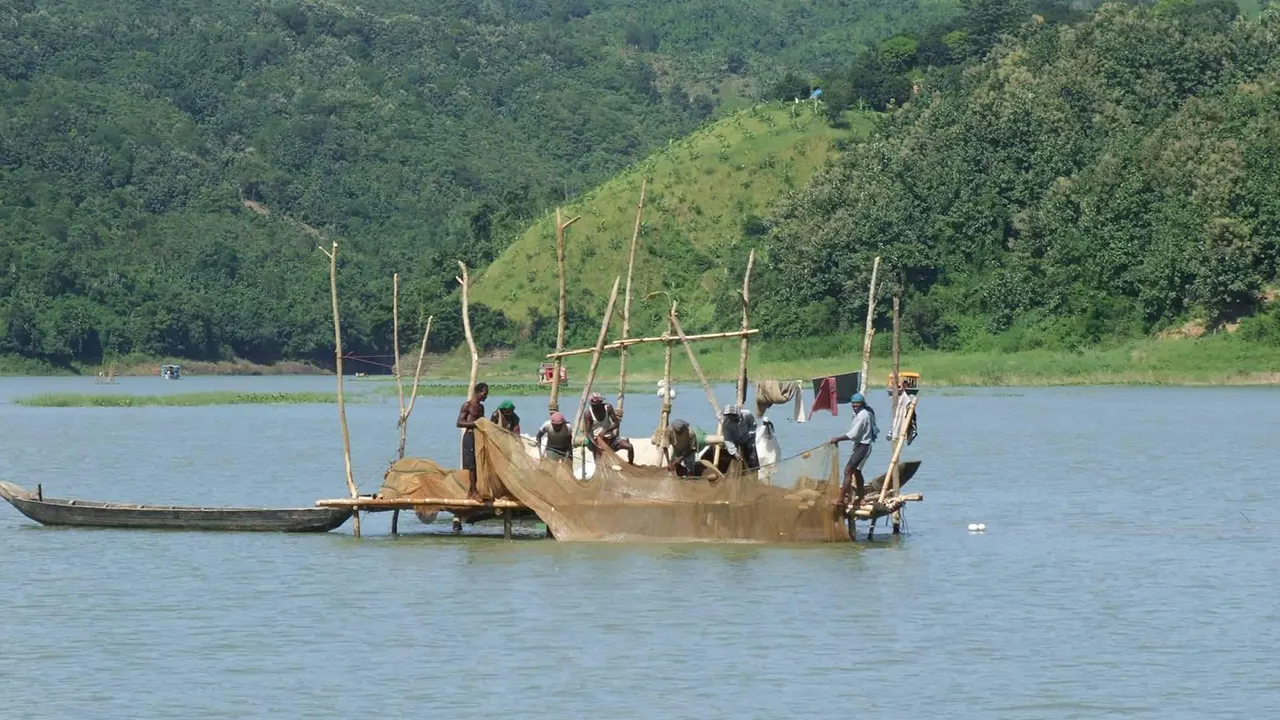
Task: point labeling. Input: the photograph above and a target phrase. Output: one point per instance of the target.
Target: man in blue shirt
(862, 433)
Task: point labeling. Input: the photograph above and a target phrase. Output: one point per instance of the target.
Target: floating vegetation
(67, 400)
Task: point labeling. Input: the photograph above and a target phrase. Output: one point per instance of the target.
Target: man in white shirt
(862, 433)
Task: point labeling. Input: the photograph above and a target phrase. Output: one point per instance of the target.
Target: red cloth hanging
(825, 398)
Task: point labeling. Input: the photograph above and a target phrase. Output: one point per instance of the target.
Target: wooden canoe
(86, 513)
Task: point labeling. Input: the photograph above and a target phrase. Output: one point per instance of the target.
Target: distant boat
(86, 513)
(171, 372)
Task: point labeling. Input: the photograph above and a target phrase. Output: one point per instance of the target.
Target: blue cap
(857, 398)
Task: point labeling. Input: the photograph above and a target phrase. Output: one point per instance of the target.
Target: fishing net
(790, 501)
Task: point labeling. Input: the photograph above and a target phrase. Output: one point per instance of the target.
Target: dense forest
(1040, 174)
(167, 168)
(1084, 181)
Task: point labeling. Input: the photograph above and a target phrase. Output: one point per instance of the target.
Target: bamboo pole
(870, 331)
(626, 303)
(413, 394)
(706, 386)
(403, 422)
(693, 360)
(898, 442)
(662, 338)
(414, 503)
(553, 403)
(465, 281)
(746, 325)
(664, 418)
(395, 341)
(897, 392)
(595, 359)
(342, 407)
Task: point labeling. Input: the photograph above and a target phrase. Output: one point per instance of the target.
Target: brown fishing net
(787, 502)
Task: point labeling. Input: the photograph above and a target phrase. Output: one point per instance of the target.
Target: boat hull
(84, 513)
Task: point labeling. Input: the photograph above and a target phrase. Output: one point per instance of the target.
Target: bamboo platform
(505, 509)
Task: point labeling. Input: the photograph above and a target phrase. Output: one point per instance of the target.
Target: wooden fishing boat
(86, 513)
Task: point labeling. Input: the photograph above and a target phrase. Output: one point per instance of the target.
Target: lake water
(1129, 569)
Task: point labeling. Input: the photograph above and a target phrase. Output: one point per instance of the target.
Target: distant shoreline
(1218, 361)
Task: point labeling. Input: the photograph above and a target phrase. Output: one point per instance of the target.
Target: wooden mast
(746, 325)
(626, 303)
(342, 407)
(553, 403)
(870, 331)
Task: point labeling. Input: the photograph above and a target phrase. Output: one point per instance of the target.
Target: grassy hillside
(706, 196)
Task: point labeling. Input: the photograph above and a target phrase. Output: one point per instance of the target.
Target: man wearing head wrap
(604, 425)
(559, 436)
(684, 443)
(862, 432)
(506, 418)
(739, 429)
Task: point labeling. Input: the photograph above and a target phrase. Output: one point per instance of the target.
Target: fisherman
(863, 432)
(603, 425)
(506, 418)
(559, 434)
(472, 410)
(684, 444)
(739, 430)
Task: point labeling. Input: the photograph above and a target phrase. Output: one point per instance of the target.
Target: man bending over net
(604, 426)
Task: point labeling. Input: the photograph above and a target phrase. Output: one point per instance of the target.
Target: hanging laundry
(824, 397)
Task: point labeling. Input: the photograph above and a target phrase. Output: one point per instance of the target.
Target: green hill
(160, 162)
(705, 200)
(1057, 193)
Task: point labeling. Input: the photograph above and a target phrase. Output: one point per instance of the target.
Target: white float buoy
(973, 527)
(982, 527)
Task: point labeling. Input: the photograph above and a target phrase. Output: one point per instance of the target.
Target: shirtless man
(603, 426)
(472, 410)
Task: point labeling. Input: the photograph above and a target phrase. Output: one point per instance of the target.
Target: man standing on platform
(472, 410)
(863, 432)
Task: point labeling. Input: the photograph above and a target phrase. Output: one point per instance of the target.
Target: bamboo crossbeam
(411, 503)
(644, 340)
